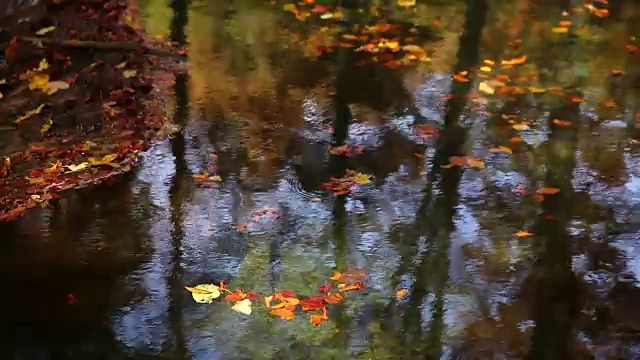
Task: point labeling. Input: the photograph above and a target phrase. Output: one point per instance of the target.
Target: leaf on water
(205, 177)
(121, 65)
(313, 303)
(515, 139)
(336, 276)
(402, 293)
(243, 306)
(537, 90)
(485, 88)
(283, 313)
(334, 298)
(204, 293)
(501, 149)
(523, 233)
(350, 287)
(560, 30)
(461, 76)
(129, 73)
(325, 288)
(317, 319)
(521, 126)
(105, 160)
(476, 163)
(30, 113)
(548, 190)
(53, 86)
(361, 179)
(45, 30)
(240, 227)
(43, 65)
(1, 96)
(406, 3)
(458, 160)
(515, 61)
(563, 123)
(38, 81)
(78, 167)
(46, 126)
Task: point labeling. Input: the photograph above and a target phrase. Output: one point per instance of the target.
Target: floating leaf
(242, 306)
(485, 88)
(45, 30)
(563, 123)
(129, 73)
(476, 163)
(38, 81)
(46, 126)
(205, 177)
(548, 190)
(362, 178)
(313, 303)
(521, 126)
(560, 30)
(336, 276)
(78, 167)
(325, 288)
(284, 314)
(515, 61)
(406, 3)
(204, 293)
(30, 113)
(350, 287)
(523, 233)
(53, 86)
(402, 293)
(501, 149)
(461, 76)
(334, 298)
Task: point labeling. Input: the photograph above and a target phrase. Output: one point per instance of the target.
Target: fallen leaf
(53, 86)
(283, 313)
(317, 319)
(242, 306)
(476, 163)
(336, 276)
(485, 88)
(548, 190)
(523, 233)
(521, 126)
(515, 61)
(361, 179)
(6, 167)
(204, 293)
(406, 3)
(240, 227)
(560, 30)
(129, 73)
(501, 149)
(350, 287)
(38, 81)
(325, 288)
(30, 113)
(46, 126)
(402, 293)
(78, 167)
(334, 298)
(313, 303)
(563, 123)
(45, 30)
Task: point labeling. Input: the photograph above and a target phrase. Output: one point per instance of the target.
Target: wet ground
(532, 253)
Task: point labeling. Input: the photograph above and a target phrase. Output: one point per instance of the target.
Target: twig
(99, 45)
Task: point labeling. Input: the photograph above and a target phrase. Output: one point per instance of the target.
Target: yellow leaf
(560, 30)
(121, 65)
(129, 73)
(44, 65)
(1, 96)
(54, 86)
(290, 7)
(406, 3)
(521, 126)
(242, 306)
(45, 30)
(74, 168)
(485, 88)
(38, 81)
(485, 68)
(30, 113)
(361, 179)
(414, 49)
(515, 61)
(46, 127)
(215, 178)
(204, 293)
(537, 90)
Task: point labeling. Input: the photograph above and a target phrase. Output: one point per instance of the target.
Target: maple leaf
(313, 303)
(283, 313)
(242, 306)
(334, 298)
(325, 288)
(361, 179)
(204, 293)
(336, 276)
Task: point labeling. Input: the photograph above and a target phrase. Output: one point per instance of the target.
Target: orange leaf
(538, 198)
(601, 13)
(563, 123)
(350, 287)
(402, 293)
(317, 319)
(336, 276)
(240, 227)
(476, 163)
(334, 298)
(515, 61)
(523, 233)
(502, 149)
(460, 77)
(515, 139)
(548, 190)
(284, 314)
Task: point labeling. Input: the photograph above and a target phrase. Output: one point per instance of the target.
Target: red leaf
(313, 303)
(325, 288)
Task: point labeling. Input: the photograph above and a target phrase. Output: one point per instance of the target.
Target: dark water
(100, 273)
